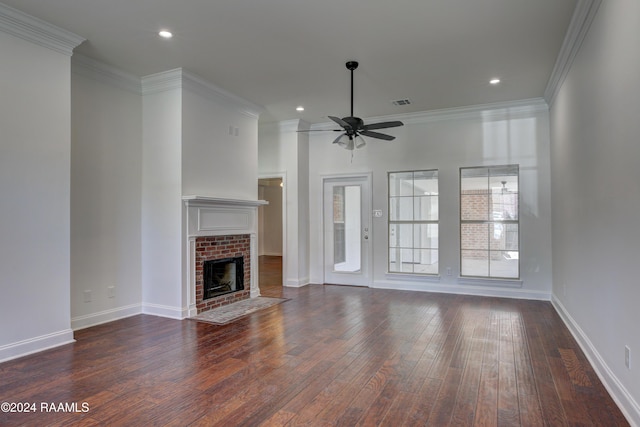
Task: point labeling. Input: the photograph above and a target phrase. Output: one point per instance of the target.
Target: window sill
(413, 277)
(482, 281)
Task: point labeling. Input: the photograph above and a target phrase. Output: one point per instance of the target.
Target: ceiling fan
(354, 127)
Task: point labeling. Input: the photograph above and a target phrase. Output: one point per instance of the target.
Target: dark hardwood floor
(270, 268)
(331, 355)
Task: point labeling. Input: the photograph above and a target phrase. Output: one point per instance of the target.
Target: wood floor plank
(330, 355)
(337, 395)
(508, 410)
(463, 412)
(419, 412)
(486, 413)
(528, 402)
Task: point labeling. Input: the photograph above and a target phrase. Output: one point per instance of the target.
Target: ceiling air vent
(401, 102)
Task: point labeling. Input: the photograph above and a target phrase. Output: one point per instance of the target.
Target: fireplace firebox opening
(222, 276)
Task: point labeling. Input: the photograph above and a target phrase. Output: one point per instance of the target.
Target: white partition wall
(35, 147)
(284, 152)
(198, 141)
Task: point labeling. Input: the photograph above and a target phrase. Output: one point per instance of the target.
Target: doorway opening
(270, 236)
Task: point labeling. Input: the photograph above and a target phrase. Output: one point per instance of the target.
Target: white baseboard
(35, 345)
(616, 389)
(81, 322)
(165, 311)
(296, 283)
(484, 291)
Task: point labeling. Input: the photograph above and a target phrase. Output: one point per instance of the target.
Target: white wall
(219, 147)
(161, 227)
(596, 197)
(35, 190)
(511, 133)
(106, 180)
(303, 231)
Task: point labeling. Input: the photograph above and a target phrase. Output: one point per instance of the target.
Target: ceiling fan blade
(321, 130)
(382, 125)
(378, 135)
(341, 122)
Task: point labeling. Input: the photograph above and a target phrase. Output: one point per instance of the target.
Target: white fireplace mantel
(210, 216)
(214, 201)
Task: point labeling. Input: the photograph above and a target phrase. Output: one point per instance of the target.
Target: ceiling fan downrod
(352, 65)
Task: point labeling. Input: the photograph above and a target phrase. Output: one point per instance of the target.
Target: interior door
(347, 236)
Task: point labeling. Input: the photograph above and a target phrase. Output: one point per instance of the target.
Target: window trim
(475, 279)
(411, 222)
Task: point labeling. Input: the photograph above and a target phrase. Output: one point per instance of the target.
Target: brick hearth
(219, 247)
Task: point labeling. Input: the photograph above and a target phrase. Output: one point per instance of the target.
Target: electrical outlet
(627, 357)
(448, 271)
(111, 292)
(87, 296)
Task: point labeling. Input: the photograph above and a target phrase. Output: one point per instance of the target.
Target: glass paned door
(346, 230)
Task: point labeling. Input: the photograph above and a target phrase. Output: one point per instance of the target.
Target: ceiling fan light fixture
(347, 144)
(345, 141)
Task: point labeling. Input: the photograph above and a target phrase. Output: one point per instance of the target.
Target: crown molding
(198, 85)
(581, 20)
(181, 79)
(37, 31)
(493, 111)
(101, 72)
(162, 82)
(303, 125)
(292, 125)
(285, 126)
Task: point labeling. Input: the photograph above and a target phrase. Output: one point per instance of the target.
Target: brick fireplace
(219, 248)
(219, 229)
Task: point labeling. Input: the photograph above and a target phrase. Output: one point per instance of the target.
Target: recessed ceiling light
(299, 108)
(494, 81)
(165, 34)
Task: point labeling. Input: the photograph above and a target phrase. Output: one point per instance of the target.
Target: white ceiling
(283, 53)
